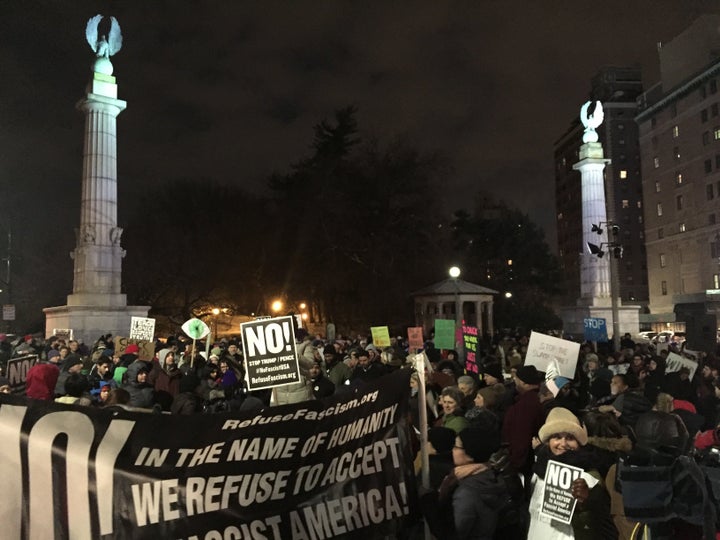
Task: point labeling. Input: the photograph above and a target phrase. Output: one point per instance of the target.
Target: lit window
(625, 203)
(716, 133)
(678, 178)
(659, 209)
(639, 204)
(675, 132)
(681, 227)
(676, 152)
(656, 162)
(716, 281)
(663, 262)
(657, 187)
(560, 216)
(623, 174)
(640, 220)
(663, 288)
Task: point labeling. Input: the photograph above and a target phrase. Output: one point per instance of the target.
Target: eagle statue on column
(103, 46)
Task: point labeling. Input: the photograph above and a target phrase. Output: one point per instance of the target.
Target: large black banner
(339, 467)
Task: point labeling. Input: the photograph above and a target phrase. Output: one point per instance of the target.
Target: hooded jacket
(477, 502)
(141, 395)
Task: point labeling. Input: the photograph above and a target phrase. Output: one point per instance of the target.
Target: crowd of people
(647, 440)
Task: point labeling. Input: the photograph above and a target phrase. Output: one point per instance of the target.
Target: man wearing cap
(41, 379)
(337, 372)
(523, 419)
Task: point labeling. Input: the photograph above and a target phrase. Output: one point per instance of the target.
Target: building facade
(679, 134)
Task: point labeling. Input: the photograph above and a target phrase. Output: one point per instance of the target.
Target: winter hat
(489, 396)
(442, 439)
(132, 349)
(52, 353)
(189, 382)
(530, 375)
(560, 420)
(216, 351)
(684, 405)
(479, 444)
(494, 370)
(71, 360)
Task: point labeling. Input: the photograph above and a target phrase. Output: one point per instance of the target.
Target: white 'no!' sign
(270, 354)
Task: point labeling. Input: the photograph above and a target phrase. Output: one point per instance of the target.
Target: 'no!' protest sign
(270, 354)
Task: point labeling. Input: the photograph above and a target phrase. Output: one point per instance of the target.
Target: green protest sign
(444, 334)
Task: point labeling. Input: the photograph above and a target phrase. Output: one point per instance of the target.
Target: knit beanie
(560, 420)
(479, 444)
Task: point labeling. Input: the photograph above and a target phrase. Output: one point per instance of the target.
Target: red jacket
(41, 381)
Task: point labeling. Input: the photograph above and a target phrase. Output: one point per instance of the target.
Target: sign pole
(422, 406)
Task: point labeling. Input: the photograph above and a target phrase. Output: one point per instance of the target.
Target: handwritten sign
(147, 348)
(142, 328)
(380, 336)
(470, 344)
(546, 352)
(675, 362)
(444, 334)
(415, 337)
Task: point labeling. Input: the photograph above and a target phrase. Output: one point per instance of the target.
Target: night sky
(229, 91)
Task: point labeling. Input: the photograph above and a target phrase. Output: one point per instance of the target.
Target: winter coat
(322, 387)
(631, 405)
(338, 374)
(456, 422)
(477, 502)
(41, 380)
(522, 422)
(141, 395)
(294, 393)
(186, 403)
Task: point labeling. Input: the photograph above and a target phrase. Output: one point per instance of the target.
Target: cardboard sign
(444, 334)
(66, 334)
(545, 352)
(415, 338)
(674, 362)
(557, 500)
(142, 328)
(270, 354)
(380, 336)
(470, 344)
(147, 348)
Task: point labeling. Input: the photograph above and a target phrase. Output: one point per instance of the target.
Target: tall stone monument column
(97, 254)
(97, 305)
(596, 299)
(594, 271)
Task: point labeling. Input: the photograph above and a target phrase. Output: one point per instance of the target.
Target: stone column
(479, 317)
(490, 323)
(594, 271)
(98, 255)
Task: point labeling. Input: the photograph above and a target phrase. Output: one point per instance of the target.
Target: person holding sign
(561, 450)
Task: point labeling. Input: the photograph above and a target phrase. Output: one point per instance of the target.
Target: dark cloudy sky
(230, 90)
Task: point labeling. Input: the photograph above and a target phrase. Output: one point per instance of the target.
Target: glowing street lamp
(454, 272)
(277, 306)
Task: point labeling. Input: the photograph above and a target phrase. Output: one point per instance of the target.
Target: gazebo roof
(453, 286)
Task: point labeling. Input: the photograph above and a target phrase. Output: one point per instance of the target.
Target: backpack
(658, 487)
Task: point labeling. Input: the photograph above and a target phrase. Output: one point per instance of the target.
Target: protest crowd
(642, 432)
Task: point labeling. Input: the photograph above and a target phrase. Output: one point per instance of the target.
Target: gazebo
(445, 299)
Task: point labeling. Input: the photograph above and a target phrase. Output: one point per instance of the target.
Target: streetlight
(276, 306)
(455, 274)
(508, 294)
